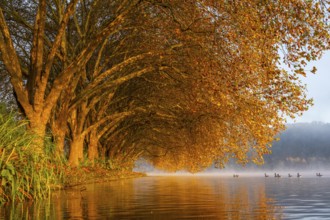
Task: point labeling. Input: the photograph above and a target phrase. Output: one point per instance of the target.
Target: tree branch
(12, 64)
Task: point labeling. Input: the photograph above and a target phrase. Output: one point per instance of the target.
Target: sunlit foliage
(184, 84)
(228, 95)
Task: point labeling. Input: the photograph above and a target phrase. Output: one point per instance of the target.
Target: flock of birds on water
(277, 175)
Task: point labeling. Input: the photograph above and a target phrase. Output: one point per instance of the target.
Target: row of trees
(180, 83)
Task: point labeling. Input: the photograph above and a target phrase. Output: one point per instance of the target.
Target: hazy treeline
(301, 144)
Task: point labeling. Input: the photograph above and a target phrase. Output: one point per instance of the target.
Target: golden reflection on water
(157, 198)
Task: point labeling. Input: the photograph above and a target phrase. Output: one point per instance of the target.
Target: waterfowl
(289, 175)
(298, 175)
(266, 175)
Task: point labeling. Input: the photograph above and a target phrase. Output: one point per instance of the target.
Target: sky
(318, 88)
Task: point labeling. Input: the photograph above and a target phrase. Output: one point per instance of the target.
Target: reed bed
(24, 173)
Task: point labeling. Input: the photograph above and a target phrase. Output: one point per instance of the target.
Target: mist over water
(251, 170)
(303, 148)
(248, 173)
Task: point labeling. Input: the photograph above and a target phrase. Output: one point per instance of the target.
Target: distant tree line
(301, 145)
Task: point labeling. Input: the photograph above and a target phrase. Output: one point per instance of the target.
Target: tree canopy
(183, 84)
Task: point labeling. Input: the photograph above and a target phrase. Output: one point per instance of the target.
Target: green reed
(24, 174)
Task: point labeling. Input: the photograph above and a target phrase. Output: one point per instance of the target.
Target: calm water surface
(186, 197)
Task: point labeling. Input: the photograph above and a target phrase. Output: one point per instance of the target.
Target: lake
(186, 197)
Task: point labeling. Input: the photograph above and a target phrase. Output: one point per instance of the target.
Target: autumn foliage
(183, 84)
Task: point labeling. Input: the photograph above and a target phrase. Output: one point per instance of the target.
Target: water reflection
(157, 198)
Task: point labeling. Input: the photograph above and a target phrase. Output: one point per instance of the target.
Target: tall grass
(24, 174)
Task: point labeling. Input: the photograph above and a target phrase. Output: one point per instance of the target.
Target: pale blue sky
(318, 87)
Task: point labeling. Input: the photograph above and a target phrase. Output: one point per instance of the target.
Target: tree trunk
(38, 127)
(59, 130)
(76, 151)
(103, 153)
(93, 147)
(59, 139)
